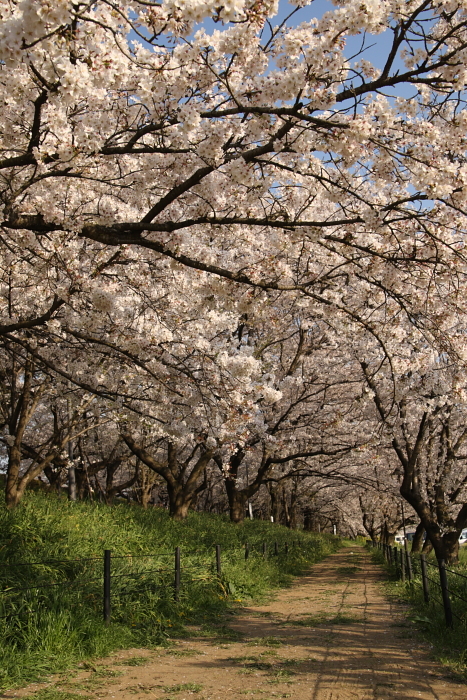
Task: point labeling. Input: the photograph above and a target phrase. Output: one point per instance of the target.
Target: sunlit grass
(51, 629)
(449, 645)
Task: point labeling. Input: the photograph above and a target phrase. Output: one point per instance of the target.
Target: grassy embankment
(448, 645)
(49, 629)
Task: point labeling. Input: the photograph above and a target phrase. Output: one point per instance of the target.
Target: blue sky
(378, 45)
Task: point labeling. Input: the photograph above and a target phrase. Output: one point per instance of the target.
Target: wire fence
(29, 588)
(439, 584)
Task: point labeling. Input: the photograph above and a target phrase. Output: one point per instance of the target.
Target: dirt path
(332, 636)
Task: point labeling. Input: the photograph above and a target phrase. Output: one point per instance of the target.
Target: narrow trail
(331, 636)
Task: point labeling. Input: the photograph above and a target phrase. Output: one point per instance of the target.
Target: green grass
(448, 645)
(54, 694)
(323, 619)
(51, 629)
(182, 652)
(278, 669)
(135, 661)
(347, 570)
(180, 687)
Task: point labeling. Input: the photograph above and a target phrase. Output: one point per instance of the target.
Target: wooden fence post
(177, 574)
(445, 591)
(107, 587)
(395, 559)
(426, 590)
(409, 566)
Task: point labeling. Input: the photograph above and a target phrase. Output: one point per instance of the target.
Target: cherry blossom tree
(183, 212)
(240, 154)
(37, 425)
(422, 409)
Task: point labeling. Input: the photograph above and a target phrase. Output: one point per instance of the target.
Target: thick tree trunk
(369, 525)
(417, 542)
(275, 494)
(237, 508)
(179, 507)
(180, 489)
(179, 502)
(238, 498)
(448, 548)
(427, 546)
(292, 515)
(12, 497)
(237, 501)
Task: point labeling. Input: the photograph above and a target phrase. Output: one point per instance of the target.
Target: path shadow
(354, 644)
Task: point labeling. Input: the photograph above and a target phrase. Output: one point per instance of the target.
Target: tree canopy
(229, 241)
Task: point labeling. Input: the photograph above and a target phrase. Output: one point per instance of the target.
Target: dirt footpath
(332, 636)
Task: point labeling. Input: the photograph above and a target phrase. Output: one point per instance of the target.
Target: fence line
(212, 565)
(402, 561)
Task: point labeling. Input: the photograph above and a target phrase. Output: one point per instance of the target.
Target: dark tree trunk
(181, 489)
(369, 525)
(237, 498)
(179, 503)
(311, 520)
(237, 501)
(275, 495)
(12, 491)
(387, 536)
(292, 520)
(54, 477)
(174, 498)
(82, 484)
(427, 546)
(289, 505)
(449, 549)
(446, 546)
(181, 499)
(417, 542)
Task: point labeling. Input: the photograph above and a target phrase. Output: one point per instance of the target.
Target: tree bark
(417, 542)
(275, 492)
(445, 545)
(290, 509)
(387, 536)
(179, 502)
(237, 501)
(54, 477)
(235, 495)
(181, 489)
(442, 529)
(12, 491)
(427, 546)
